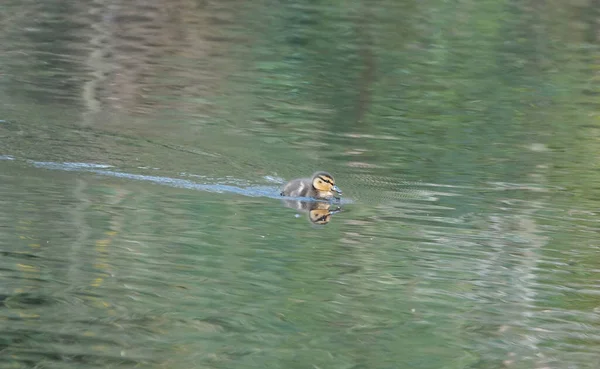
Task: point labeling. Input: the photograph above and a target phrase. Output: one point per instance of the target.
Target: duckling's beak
(336, 189)
(338, 210)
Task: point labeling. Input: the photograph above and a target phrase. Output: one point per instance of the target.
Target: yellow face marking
(323, 183)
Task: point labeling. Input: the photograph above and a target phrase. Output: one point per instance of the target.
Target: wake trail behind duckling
(272, 192)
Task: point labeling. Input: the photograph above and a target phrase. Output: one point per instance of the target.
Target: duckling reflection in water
(320, 186)
(319, 212)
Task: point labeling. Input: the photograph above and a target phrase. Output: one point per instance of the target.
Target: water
(143, 146)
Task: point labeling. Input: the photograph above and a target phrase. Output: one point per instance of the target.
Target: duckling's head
(324, 183)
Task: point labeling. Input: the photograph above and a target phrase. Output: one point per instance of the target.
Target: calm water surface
(142, 147)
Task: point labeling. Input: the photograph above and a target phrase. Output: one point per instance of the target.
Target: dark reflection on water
(464, 135)
(318, 212)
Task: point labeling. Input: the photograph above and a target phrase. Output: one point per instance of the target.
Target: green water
(464, 134)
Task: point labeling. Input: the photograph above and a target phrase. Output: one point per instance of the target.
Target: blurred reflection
(319, 212)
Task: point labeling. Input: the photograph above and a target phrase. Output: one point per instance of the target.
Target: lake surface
(143, 146)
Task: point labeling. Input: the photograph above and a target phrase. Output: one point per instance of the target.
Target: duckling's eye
(328, 180)
(323, 220)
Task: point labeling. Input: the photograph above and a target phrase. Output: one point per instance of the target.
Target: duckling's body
(300, 187)
(320, 186)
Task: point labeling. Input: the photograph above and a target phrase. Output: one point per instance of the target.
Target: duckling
(320, 186)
